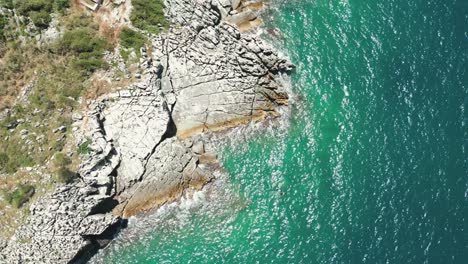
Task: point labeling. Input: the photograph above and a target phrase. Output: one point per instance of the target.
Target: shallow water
(373, 165)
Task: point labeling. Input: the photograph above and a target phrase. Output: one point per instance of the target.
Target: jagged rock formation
(146, 145)
(68, 222)
(221, 78)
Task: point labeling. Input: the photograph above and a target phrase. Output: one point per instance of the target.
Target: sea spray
(371, 167)
(216, 202)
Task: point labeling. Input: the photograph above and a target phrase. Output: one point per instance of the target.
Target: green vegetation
(4, 160)
(20, 195)
(131, 40)
(7, 4)
(61, 164)
(61, 5)
(86, 46)
(84, 148)
(149, 15)
(60, 75)
(3, 24)
(37, 10)
(13, 217)
(11, 157)
(41, 85)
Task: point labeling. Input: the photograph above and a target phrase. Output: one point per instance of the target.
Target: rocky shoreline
(147, 140)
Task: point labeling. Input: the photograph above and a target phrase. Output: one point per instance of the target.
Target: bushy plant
(84, 148)
(61, 163)
(4, 159)
(149, 15)
(61, 160)
(131, 40)
(65, 175)
(38, 10)
(3, 24)
(81, 41)
(26, 6)
(61, 5)
(20, 195)
(77, 20)
(6, 4)
(41, 19)
(86, 46)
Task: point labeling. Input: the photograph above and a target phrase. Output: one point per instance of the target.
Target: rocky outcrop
(173, 168)
(69, 222)
(147, 140)
(221, 77)
(155, 166)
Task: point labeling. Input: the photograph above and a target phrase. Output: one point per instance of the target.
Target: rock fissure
(148, 140)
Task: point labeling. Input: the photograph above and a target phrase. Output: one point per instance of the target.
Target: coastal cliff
(147, 143)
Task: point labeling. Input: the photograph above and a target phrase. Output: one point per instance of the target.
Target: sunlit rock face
(204, 75)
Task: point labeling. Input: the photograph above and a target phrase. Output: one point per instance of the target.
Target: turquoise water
(373, 165)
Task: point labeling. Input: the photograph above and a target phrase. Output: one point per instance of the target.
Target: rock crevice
(147, 139)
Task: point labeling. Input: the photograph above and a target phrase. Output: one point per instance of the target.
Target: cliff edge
(147, 145)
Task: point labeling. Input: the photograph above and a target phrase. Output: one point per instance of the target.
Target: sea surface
(371, 164)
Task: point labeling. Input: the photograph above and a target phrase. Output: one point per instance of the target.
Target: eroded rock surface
(147, 139)
(67, 222)
(221, 78)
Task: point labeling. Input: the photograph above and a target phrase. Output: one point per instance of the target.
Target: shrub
(78, 20)
(65, 175)
(84, 148)
(148, 15)
(6, 165)
(20, 195)
(89, 63)
(26, 6)
(38, 10)
(6, 4)
(131, 39)
(14, 61)
(40, 18)
(4, 159)
(61, 163)
(25, 161)
(82, 40)
(61, 160)
(61, 5)
(3, 24)
(86, 46)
